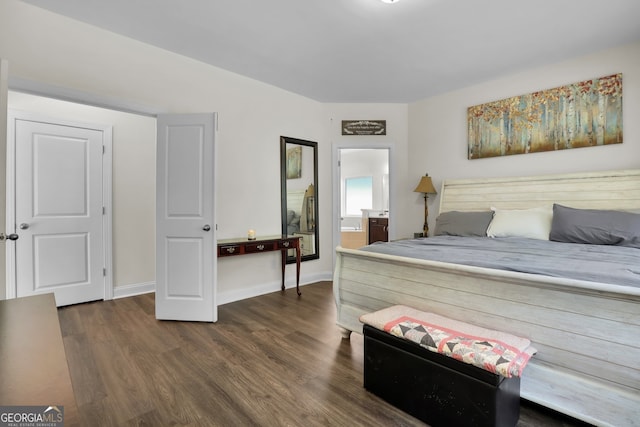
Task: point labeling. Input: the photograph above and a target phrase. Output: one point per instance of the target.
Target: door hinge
(104, 272)
(104, 210)
(103, 149)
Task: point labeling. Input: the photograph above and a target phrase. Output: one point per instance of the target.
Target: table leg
(298, 268)
(284, 265)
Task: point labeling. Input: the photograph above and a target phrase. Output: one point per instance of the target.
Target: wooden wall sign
(364, 127)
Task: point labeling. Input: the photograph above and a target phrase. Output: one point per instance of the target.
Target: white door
(59, 210)
(185, 227)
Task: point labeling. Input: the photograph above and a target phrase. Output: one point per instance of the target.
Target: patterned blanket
(493, 351)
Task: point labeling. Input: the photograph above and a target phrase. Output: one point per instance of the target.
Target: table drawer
(286, 244)
(228, 250)
(258, 247)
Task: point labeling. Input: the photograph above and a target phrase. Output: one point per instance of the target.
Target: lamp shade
(425, 186)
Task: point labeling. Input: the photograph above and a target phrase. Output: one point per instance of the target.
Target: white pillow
(533, 223)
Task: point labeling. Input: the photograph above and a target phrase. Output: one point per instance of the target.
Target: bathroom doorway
(364, 196)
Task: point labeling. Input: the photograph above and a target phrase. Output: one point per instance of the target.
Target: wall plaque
(364, 127)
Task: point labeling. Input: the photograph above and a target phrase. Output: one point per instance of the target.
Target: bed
(587, 332)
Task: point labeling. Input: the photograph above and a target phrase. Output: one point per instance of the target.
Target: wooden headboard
(294, 200)
(597, 190)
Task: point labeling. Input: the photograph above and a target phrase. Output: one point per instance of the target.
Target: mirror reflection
(299, 177)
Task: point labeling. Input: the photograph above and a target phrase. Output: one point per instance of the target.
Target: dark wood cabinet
(378, 230)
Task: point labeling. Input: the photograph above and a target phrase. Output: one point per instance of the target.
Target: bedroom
(417, 130)
(417, 147)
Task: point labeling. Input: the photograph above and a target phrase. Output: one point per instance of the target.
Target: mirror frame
(284, 140)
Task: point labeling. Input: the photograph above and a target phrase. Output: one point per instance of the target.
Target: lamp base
(425, 228)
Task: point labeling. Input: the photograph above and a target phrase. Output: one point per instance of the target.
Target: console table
(239, 246)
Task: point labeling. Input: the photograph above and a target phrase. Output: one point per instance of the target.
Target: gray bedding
(595, 263)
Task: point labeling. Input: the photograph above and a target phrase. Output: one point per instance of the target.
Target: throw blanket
(497, 352)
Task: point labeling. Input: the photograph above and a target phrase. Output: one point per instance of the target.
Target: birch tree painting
(583, 114)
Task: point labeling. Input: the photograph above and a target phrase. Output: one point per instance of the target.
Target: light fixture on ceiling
(390, 1)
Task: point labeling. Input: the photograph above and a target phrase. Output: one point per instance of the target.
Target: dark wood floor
(273, 360)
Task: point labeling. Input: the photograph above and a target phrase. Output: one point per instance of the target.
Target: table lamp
(425, 186)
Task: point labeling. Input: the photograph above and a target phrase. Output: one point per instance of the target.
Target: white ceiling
(367, 50)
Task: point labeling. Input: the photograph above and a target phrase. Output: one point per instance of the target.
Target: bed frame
(587, 334)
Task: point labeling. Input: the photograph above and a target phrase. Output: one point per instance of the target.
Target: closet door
(185, 224)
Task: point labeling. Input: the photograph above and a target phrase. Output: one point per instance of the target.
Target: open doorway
(364, 196)
(130, 263)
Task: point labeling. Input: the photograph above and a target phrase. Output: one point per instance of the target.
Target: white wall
(438, 132)
(396, 138)
(59, 52)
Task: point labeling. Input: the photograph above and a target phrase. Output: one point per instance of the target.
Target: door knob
(207, 227)
(24, 226)
(13, 236)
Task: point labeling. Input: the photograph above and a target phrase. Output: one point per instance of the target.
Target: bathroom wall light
(390, 1)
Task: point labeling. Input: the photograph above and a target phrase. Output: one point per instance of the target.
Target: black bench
(434, 388)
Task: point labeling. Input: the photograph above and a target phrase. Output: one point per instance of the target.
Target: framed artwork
(584, 114)
(294, 163)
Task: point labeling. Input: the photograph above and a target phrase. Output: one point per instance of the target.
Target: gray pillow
(465, 224)
(594, 226)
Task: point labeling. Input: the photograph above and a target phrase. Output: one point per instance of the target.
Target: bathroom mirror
(299, 187)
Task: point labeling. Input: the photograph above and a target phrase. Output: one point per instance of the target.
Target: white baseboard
(228, 296)
(266, 288)
(133, 289)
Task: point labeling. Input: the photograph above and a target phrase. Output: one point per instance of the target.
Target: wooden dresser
(33, 363)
